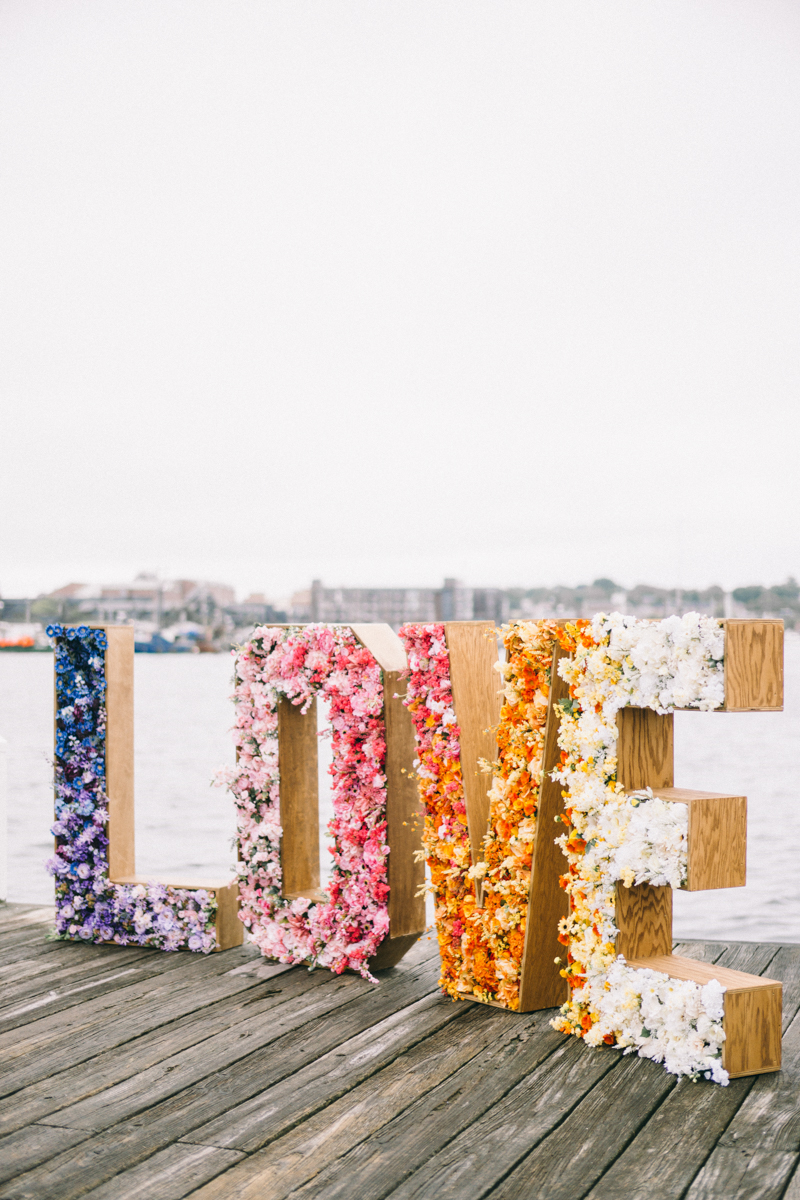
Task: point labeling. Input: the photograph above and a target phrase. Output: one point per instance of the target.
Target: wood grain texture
(403, 817)
(470, 1048)
(568, 1162)
(299, 802)
(131, 1142)
(230, 930)
(645, 749)
(169, 1174)
(472, 647)
(499, 1136)
(753, 665)
(541, 982)
(717, 849)
(268, 1012)
(769, 1118)
(785, 967)
(753, 1031)
(644, 920)
(431, 1120)
(734, 1173)
(119, 749)
(321, 1085)
(669, 1150)
(114, 1065)
(191, 985)
(25, 1149)
(752, 1019)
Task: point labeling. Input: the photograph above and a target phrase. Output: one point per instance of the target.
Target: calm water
(183, 825)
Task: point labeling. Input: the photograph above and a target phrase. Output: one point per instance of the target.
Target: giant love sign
(572, 730)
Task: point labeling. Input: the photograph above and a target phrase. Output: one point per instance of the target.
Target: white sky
(383, 292)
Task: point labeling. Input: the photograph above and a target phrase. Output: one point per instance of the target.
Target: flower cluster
(298, 665)
(636, 838)
(673, 1021)
(445, 836)
(513, 800)
(88, 905)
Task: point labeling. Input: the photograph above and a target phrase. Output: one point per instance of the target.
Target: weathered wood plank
(432, 1121)
(300, 1155)
(131, 1142)
(168, 1175)
(11, 912)
(34, 915)
(52, 1043)
(769, 1119)
(218, 1053)
(34, 977)
(758, 1175)
(463, 1144)
(27, 1148)
(120, 1062)
(793, 1190)
(664, 1157)
(702, 951)
(574, 1154)
(751, 957)
(250, 1125)
(25, 934)
(54, 949)
(75, 992)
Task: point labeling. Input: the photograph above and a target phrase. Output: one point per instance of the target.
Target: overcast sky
(382, 292)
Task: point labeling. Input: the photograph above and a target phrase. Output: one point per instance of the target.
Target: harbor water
(185, 827)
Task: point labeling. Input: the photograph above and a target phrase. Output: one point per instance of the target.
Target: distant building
(398, 606)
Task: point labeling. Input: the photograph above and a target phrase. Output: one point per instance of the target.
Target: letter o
(372, 911)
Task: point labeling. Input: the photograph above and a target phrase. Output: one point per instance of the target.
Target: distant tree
(788, 590)
(606, 585)
(748, 595)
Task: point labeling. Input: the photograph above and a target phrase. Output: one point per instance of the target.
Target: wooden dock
(131, 1073)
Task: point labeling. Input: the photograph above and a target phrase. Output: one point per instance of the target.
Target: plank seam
(333, 1097)
(750, 1081)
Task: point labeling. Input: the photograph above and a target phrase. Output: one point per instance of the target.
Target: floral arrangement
(633, 838)
(445, 836)
(513, 801)
(481, 945)
(89, 906)
(300, 664)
